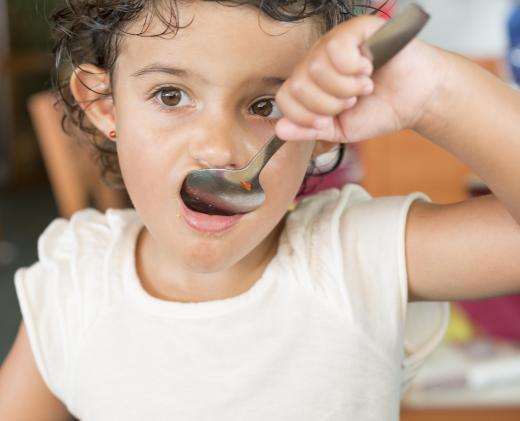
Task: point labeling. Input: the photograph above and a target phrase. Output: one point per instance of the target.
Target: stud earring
(112, 134)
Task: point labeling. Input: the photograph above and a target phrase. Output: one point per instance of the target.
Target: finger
(287, 130)
(294, 110)
(331, 132)
(334, 83)
(315, 99)
(346, 58)
(344, 42)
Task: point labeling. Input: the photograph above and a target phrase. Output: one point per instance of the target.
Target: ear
(322, 147)
(90, 86)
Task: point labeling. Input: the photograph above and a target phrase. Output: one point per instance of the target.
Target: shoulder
(73, 281)
(347, 237)
(351, 210)
(87, 228)
(74, 254)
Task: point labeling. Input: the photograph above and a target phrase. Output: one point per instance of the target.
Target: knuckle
(342, 62)
(280, 98)
(316, 68)
(280, 95)
(297, 87)
(332, 46)
(284, 103)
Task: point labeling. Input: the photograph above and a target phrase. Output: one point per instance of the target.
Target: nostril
(216, 163)
(208, 165)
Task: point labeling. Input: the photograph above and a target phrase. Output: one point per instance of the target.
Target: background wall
(471, 27)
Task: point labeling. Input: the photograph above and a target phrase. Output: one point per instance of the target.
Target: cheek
(138, 173)
(148, 176)
(150, 162)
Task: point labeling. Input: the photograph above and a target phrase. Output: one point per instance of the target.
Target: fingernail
(367, 69)
(349, 103)
(367, 88)
(321, 123)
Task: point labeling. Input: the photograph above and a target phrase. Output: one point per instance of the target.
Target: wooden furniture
(498, 414)
(404, 162)
(75, 178)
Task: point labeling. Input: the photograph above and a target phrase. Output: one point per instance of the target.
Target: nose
(218, 142)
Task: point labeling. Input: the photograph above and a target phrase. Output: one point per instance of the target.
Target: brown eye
(171, 97)
(266, 108)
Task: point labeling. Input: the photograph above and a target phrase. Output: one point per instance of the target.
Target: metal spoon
(220, 191)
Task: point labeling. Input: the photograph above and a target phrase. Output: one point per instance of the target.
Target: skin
(212, 127)
(465, 250)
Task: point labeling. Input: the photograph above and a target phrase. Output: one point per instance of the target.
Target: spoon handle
(394, 35)
(262, 158)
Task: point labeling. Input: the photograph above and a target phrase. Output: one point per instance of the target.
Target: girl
(163, 313)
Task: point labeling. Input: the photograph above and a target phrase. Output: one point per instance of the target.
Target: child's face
(196, 100)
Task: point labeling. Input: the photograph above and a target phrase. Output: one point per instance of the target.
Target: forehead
(214, 36)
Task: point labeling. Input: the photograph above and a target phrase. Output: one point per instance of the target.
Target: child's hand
(331, 95)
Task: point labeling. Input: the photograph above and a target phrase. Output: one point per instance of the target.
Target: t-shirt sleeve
(52, 295)
(374, 258)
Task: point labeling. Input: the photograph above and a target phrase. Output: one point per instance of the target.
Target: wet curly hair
(90, 31)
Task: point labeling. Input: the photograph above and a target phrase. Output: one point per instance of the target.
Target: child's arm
(476, 117)
(461, 251)
(471, 249)
(23, 394)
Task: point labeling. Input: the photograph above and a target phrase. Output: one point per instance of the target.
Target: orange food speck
(246, 185)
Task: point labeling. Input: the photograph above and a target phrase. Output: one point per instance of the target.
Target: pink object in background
(387, 10)
(499, 317)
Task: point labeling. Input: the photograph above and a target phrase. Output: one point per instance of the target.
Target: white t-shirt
(320, 336)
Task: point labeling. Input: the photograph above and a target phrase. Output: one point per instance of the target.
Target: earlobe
(90, 87)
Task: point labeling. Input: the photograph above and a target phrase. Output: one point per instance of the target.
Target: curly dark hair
(90, 31)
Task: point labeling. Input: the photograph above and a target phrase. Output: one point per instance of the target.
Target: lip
(207, 223)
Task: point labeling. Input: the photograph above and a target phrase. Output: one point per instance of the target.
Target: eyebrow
(165, 69)
(159, 68)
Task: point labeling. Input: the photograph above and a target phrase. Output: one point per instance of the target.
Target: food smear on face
(245, 185)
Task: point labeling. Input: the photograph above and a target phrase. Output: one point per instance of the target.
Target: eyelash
(154, 97)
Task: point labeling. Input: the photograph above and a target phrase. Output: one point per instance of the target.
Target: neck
(173, 284)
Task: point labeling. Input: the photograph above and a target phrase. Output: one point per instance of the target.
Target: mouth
(198, 205)
(206, 222)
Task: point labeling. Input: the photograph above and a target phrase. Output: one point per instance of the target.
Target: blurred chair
(75, 178)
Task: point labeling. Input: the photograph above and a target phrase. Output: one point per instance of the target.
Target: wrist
(447, 98)
(440, 106)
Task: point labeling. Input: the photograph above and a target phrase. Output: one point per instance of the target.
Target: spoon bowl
(198, 192)
(218, 191)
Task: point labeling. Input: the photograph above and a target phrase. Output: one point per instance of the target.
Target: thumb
(287, 130)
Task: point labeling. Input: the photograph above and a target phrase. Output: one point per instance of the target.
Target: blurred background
(45, 174)
(26, 201)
